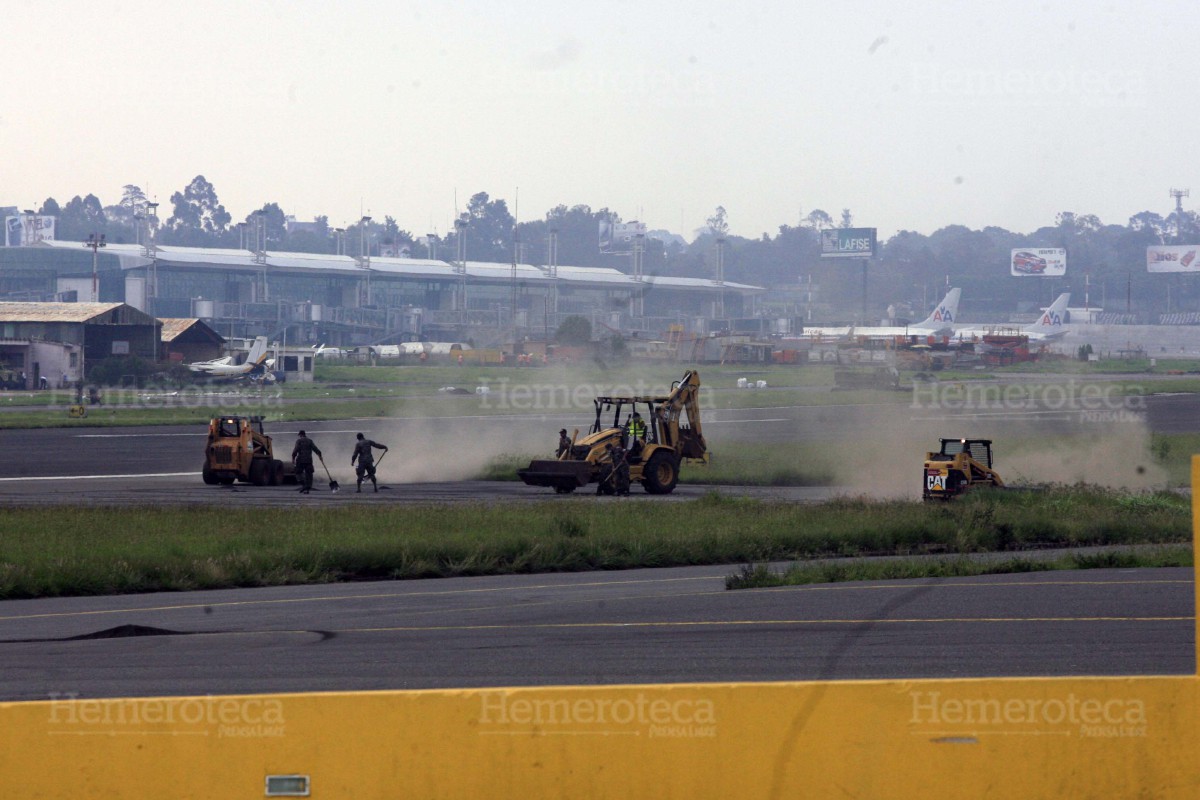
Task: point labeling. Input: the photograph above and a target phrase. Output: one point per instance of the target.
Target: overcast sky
(914, 115)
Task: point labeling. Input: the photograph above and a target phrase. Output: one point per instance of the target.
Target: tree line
(909, 271)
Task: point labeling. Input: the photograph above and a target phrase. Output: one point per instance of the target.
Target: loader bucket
(562, 475)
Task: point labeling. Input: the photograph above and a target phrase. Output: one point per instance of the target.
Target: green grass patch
(111, 551)
(761, 576)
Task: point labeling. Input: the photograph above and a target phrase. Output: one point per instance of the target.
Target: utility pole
(721, 277)
(95, 242)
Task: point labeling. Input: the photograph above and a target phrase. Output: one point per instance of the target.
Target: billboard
(848, 243)
(1038, 262)
(1173, 258)
(26, 229)
(618, 237)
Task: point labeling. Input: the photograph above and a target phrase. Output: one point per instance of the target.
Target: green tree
(197, 217)
(489, 231)
(81, 216)
(717, 224)
(818, 220)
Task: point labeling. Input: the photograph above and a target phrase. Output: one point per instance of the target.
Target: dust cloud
(427, 446)
(888, 463)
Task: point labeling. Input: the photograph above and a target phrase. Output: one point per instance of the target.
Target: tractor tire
(661, 473)
(275, 477)
(260, 469)
(210, 478)
(226, 479)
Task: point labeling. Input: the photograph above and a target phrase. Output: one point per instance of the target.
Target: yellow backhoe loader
(652, 433)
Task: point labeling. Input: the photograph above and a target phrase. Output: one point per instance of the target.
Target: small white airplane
(255, 362)
(1048, 327)
(324, 351)
(402, 349)
(201, 366)
(936, 324)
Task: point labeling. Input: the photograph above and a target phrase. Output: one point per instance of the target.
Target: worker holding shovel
(302, 458)
(366, 460)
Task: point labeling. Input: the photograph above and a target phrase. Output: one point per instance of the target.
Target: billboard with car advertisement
(1173, 258)
(1039, 261)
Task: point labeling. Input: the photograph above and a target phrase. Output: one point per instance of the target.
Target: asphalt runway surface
(586, 628)
(160, 465)
(641, 626)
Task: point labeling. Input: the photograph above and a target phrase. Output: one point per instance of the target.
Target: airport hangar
(347, 301)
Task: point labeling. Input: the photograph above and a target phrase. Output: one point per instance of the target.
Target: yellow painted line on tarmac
(755, 623)
(99, 477)
(675, 624)
(590, 584)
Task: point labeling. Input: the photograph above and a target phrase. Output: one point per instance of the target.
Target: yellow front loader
(959, 465)
(239, 450)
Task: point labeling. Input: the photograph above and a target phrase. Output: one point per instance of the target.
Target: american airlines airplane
(223, 368)
(936, 324)
(1048, 327)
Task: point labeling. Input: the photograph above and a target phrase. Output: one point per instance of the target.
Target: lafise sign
(848, 243)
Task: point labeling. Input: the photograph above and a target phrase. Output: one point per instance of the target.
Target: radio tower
(1179, 194)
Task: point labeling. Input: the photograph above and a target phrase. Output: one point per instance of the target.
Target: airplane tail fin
(258, 353)
(1051, 321)
(945, 313)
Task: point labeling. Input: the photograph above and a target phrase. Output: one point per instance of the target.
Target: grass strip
(760, 576)
(87, 551)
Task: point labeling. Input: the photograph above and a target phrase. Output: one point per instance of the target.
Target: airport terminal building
(351, 301)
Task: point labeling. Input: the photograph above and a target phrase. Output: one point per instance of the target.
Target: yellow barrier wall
(1009, 738)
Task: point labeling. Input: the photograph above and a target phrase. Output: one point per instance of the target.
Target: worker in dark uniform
(621, 470)
(564, 444)
(302, 458)
(366, 460)
(608, 480)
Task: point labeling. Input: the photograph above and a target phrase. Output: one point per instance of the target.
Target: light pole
(95, 242)
(363, 255)
(151, 219)
(339, 240)
(460, 240)
(721, 277)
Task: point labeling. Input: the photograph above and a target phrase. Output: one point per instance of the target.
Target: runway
(585, 628)
(662, 625)
(160, 465)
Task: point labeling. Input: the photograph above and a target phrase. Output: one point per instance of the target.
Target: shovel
(333, 485)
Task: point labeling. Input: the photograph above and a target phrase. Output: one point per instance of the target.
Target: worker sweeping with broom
(366, 460)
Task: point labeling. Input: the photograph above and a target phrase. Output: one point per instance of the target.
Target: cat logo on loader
(959, 465)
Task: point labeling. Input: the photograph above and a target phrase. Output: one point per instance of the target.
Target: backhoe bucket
(563, 475)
